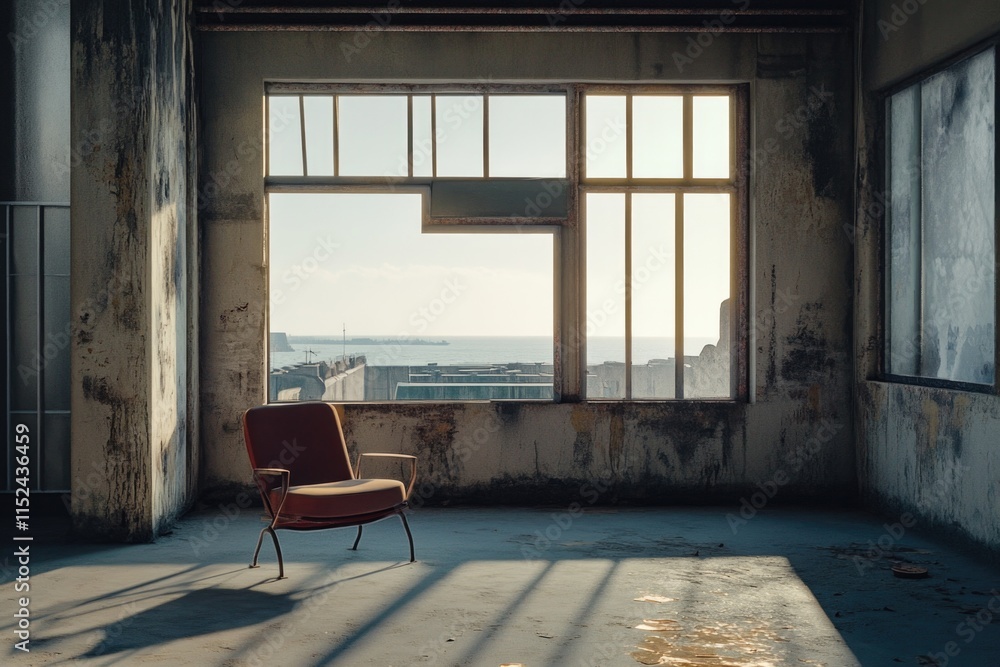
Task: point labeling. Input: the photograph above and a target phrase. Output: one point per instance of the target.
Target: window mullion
(336, 138)
(679, 295)
(688, 140)
(628, 295)
(434, 151)
(302, 133)
(486, 135)
(409, 135)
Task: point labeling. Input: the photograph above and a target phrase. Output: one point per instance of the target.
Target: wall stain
(808, 358)
(582, 421)
(433, 437)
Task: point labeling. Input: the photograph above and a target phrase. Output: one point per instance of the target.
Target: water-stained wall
(795, 429)
(928, 451)
(130, 265)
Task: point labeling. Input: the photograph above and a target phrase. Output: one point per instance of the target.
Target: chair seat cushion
(350, 497)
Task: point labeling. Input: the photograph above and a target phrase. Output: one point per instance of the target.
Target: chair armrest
(265, 487)
(408, 457)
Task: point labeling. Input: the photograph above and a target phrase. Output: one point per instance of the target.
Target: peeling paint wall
(129, 189)
(796, 427)
(931, 452)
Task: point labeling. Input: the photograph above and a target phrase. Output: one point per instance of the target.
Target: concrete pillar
(130, 204)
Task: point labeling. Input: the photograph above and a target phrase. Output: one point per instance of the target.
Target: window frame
(569, 250)
(883, 166)
(735, 186)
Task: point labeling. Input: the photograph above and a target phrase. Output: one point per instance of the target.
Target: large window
(941, 226)
(414, 241)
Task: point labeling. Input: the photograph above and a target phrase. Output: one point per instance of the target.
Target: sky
(360, 260)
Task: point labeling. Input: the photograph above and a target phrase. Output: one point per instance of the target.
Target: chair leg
(357, 539)
(277, 549)
(409, 536)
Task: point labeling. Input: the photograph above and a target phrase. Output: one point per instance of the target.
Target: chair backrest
(305, 438)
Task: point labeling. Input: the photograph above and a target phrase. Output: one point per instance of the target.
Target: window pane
(904, 233)
(605, 295)
(707, 277)
(957, 111)
(372, 135)
(423, 143)
(710, 131)
(528, 135)
(56, 239)
(653, 295)
(56, 350)
(658, 136)
(24, 244)
(284, 138)
(24, 342)
(319, 134)
(459, 135)
(354, 275)
(55, 453)
(605, 136)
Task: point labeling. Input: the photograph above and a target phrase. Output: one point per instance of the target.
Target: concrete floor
(499, 586)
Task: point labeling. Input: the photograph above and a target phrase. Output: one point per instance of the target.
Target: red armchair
(302, 469)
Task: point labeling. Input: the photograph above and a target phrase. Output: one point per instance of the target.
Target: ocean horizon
(476, 350)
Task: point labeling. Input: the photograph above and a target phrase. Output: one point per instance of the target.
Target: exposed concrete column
(130, 91)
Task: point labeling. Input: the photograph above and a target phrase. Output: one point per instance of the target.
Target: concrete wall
(130, 266)
(798, 421)
(932, 452)
(346, 386)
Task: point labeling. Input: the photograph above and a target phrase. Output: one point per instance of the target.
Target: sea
(478, 350)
